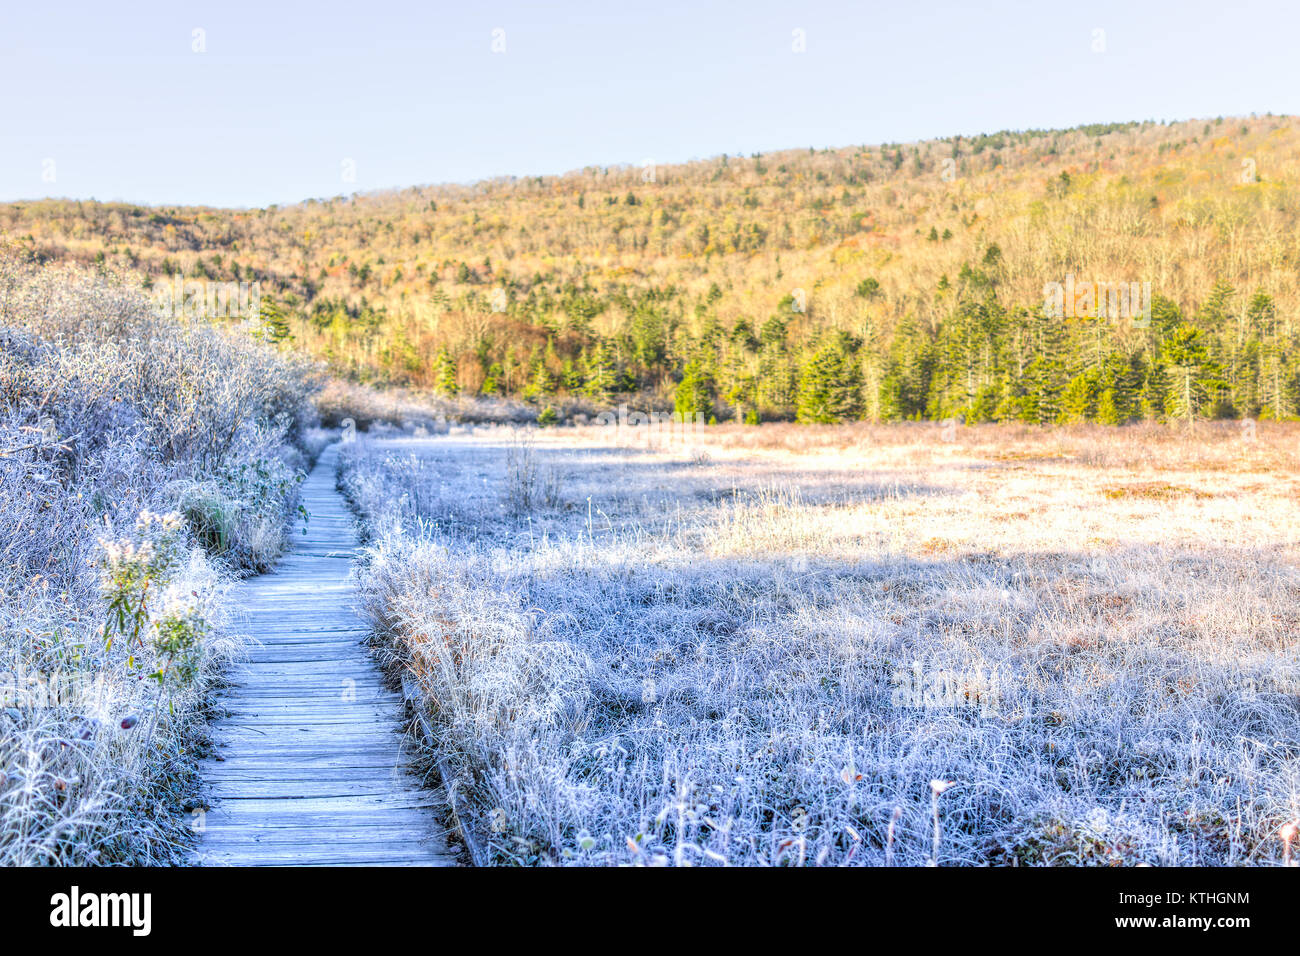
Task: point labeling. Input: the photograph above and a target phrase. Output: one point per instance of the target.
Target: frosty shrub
(530, 483)
(147, 611)
(409, 411)
(143, 464)
(134, 565)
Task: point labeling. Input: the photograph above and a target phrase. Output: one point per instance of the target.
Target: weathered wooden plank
(299, 789)
(320, 704)
(289, 740)
(292, 654)
(250, 808)
(277, 691)
(387, 839)
(415, 821)
(309, 765)
(235, 838)
(306, 759)
(325, 723)
(312, 786)
(310, 707)
(327, 855)
(303, 688)
(293, 777)
(298, 635)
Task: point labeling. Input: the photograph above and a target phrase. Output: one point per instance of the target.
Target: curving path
(309, 759)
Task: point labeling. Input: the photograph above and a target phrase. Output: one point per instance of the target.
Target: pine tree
(1213, 315)
(1194, 378)
(541, 383)
(1119, 381)
(696, 393)
(571, 376)
(1108, 410)
(1079, 400)
(830, 384)
(906, 383)
(1155, 391)
(777, 377)
(868, 288)
(273, 325)
(1279, 381)
(446, 377)
(493, 383)
(1277, 387)
(969, 351)
(601, 372)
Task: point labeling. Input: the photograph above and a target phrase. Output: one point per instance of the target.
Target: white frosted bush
(110, 418)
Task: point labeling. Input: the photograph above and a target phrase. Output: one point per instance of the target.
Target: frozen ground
(859, 645)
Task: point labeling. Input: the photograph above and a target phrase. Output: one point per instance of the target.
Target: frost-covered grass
(394, 408)
(857, 645)
(142, 465)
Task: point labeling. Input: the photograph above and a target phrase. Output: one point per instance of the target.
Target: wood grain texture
(310, 756)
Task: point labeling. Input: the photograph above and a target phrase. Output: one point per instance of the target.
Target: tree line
(973, 358)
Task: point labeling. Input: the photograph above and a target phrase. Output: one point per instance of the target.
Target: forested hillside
(878, 282)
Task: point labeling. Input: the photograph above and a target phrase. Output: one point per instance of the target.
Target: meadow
(849, 645)
(943, 571)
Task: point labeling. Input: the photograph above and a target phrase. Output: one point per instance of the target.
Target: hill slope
(884, 282)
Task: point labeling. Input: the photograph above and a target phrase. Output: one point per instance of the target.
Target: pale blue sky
(412, 93)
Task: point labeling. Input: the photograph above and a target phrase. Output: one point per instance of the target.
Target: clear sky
(285, 101)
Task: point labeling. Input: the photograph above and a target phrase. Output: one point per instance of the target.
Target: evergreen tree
(968, 354)
(601, 372)
(446, 381)
(1278, 388)
(571, 376)
(777, 378)
(541, 383)
(1279, 381)
(1194, 378)
(697, 391)
(1108, 409)
(272, 323)
(1119, 381)
(830, 384)
(1214, 311)
(909, 368)
(1045, 380)
(868, 288)
(492, 382)
(1155, 391)
(773, 331)
(1079, 400)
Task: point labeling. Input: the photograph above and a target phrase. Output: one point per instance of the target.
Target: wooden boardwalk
(309, 766)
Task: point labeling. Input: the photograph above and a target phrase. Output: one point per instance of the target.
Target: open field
(856, 644)
(830, 435)
(851, 645)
